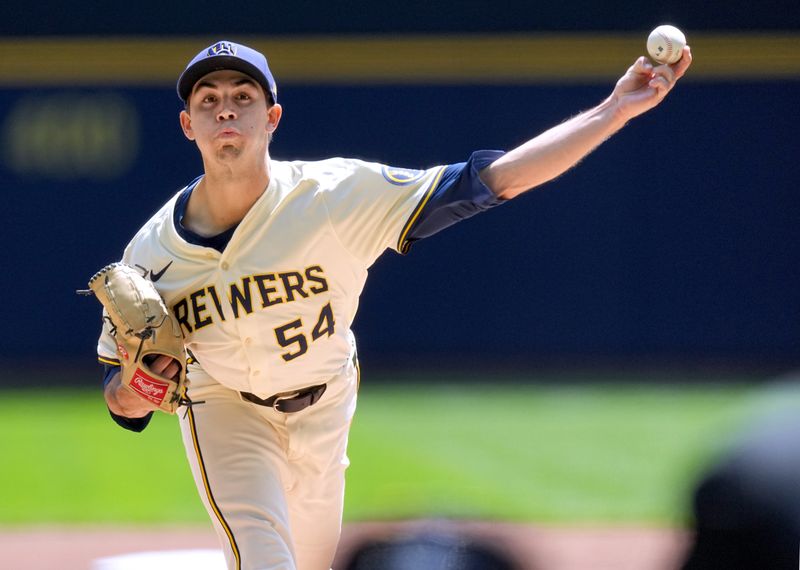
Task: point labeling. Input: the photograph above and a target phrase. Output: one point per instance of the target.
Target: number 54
(325, 326)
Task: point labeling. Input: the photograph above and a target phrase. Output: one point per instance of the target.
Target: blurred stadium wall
(676, 242)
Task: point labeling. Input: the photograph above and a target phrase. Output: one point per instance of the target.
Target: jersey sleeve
(368, 204)
(106, 347)
(376, 207)
(459, 195)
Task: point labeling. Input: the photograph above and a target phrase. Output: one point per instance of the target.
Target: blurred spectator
(429, 551)
(747, 505)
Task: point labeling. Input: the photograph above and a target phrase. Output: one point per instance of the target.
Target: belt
(289, 402)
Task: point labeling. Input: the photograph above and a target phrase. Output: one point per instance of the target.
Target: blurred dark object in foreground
(747, 505)
(429, 552)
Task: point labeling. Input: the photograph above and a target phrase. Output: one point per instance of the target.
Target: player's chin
(228, 151)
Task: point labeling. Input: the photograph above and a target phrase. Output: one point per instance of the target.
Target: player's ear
(186, 125)
(274, 114)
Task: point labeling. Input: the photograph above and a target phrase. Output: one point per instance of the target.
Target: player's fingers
(172, 370)
(164, 365)
(666, 72)
(683, 63)
(157, 362)
(641, 66)
(660, 84)
(663, 79)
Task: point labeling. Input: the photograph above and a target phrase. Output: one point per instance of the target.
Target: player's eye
(243, 97)
(209, 99)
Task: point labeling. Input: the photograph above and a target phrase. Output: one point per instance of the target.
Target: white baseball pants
(272, 483)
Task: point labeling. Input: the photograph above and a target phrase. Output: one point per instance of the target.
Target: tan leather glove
(143, 329)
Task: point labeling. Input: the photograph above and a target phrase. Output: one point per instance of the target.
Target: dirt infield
(531, 547)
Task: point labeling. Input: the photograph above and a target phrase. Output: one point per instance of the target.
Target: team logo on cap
(222, 48)
(401, 176)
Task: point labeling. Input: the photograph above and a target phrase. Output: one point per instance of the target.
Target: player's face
(229, 115)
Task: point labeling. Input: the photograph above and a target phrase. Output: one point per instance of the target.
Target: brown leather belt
(289, 402)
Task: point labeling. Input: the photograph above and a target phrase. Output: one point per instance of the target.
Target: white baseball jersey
(266, 308)
(272, 311)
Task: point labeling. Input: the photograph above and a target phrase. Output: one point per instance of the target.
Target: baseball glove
(143, 330)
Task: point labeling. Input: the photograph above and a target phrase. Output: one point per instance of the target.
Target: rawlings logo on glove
(148, 387)
(143, 327)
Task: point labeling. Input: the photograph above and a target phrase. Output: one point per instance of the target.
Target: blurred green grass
(571, 454)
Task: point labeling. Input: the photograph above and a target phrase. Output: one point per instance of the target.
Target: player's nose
(226, 110)
(226, 114)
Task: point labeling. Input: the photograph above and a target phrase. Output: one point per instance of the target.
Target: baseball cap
(227, 55)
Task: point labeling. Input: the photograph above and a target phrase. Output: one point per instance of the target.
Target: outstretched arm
(558, 149)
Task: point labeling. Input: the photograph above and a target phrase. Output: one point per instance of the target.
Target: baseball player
(260, 263)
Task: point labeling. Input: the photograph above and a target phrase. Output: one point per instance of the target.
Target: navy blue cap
(227, 55)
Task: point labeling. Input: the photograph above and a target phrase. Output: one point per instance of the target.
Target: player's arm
(558, 149)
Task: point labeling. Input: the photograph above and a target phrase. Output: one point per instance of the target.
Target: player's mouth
(227, 133)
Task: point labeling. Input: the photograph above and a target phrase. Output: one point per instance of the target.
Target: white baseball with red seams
(665, 44)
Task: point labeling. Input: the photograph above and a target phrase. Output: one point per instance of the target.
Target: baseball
(665, 44)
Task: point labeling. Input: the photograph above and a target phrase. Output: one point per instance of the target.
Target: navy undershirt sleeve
(460, 194)
(132, 424)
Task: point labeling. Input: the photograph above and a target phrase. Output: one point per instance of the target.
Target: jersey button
(256, 372)
(248, 341)
(224, 266)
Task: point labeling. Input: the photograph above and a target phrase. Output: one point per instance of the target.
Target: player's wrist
(614, 112)
(123, 402)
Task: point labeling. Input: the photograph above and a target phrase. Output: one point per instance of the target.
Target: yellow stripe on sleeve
(402, 245)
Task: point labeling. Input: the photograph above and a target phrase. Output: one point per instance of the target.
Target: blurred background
(674, 243)
(669, 257)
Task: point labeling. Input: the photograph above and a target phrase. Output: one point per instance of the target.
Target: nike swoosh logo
(156, 276)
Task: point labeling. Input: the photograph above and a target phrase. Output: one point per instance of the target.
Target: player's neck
(224, 196)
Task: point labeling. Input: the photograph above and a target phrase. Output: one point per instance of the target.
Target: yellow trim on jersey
(494, 59)
(209, 494)
(114, 362)
(402, 245)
